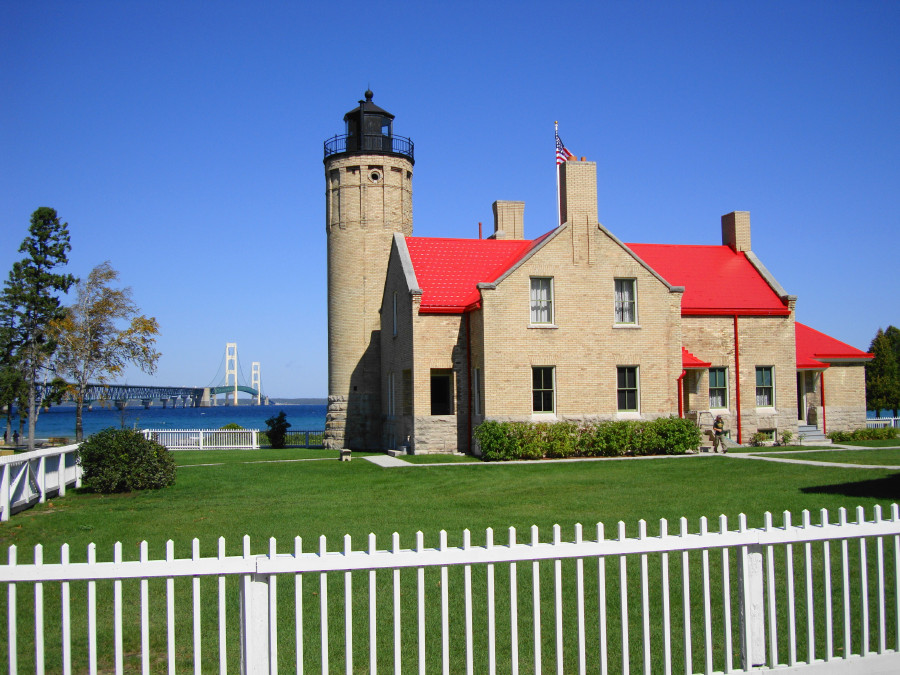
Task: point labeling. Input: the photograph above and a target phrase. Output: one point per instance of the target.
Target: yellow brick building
(430, 336)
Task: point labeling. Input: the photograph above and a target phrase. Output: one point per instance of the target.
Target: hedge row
(504, 441)
(885, 433)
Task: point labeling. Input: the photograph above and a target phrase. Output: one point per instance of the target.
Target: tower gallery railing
(374, 143)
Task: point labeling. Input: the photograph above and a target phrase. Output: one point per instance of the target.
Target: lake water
(60, 421)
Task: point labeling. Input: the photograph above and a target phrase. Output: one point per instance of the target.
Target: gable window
(542, 389)
(765, 386)
(441, 391)
(394, 313)
(626, 301)
(541, 299)
(627, 388)
(718, 387)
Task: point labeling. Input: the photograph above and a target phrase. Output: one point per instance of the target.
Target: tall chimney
(509, 220)
(578, 192)
(736, 230)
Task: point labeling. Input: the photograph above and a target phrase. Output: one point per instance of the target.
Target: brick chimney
(736, 230)
(578, 192)
(509, 220)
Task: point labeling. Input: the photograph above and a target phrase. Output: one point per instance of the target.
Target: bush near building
(883, 434)
(122, 460)
(504, 441)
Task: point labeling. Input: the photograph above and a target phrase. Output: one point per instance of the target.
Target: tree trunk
(79, 407)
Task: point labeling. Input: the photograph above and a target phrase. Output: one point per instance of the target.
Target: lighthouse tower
(368, 192)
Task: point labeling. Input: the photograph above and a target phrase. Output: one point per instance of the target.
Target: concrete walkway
(387, 461)
(766, 456)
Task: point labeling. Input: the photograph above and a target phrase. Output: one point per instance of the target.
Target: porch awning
(688, 360)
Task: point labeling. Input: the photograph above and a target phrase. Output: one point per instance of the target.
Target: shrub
(786, 436)
(277, 429)
(122, 460)
(232, 426)
(758, 439)
(881, 434)
(675, 436)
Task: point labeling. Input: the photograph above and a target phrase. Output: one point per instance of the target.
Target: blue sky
(182, 141)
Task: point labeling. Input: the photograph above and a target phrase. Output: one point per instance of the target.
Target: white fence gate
(818, 597)
(30, 477)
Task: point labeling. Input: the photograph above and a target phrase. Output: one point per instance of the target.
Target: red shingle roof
(449, 269)
(813, 345)
(716, 279)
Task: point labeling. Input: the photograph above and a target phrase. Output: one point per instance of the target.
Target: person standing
(718, 434)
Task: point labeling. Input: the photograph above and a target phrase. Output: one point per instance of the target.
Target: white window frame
(539, 305)
(633, 302)
(637, 389)
(724, 369)
(771, 369)
(552, 390)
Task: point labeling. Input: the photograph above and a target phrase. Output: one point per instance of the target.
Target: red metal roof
(449, 269)
(688, 360)
(813, 345)
(716, 279)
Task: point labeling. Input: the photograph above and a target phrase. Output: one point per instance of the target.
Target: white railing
(882, 422)
(721, 601)
(204, 439)
(30, 477)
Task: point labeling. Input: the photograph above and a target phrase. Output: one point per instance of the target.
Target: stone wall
(845, 397)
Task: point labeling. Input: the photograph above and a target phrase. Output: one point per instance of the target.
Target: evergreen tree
(882, 376)
(893, 334)
(30, 301)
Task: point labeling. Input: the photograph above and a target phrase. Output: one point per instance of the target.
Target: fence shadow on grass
(880, 488)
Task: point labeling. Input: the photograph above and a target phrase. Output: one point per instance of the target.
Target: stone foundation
(335, 422)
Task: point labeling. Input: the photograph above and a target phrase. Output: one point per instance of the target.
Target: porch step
(811, 435)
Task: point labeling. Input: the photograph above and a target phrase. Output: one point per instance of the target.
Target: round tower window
(375, 176)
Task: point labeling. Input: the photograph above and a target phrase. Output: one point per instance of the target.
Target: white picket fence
(731, 605)
(882, 422)
(30, 477)
(204, 439)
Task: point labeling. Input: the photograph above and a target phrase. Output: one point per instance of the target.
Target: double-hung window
(765, 386)
(542, 389)
(626, 301)
(718, 387)
(627, 388)
(542, 300)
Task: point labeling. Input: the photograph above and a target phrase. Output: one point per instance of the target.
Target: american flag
(562, 154)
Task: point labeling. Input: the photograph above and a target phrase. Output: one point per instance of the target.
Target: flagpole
(556, 164)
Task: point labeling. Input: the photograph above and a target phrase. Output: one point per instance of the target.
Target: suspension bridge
(228, 381)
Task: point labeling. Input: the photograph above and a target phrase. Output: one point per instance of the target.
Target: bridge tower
(231, 369)
(255, 381)
(368, 197)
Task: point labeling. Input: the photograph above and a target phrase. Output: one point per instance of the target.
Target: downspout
(469, 377)
(737, 379)
(680, 394)
(822, 387)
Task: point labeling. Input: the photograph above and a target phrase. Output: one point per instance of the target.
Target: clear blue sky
(182, 141)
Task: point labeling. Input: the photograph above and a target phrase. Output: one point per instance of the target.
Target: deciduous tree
(100, 335)
(882, 375)
(31, 301)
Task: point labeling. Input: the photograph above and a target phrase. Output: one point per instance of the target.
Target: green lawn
(877, 457)
(778, 448)
(307, 499)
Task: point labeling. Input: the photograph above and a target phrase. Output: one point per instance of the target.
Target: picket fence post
(254, 618)
(752, 616)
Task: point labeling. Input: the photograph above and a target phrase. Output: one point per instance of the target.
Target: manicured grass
(194, 457)
(308, 499)
(778, 448)
(877, 457)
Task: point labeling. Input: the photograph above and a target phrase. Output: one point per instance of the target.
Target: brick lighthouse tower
(368, 191)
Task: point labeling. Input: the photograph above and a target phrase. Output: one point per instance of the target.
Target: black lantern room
(369, 131)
